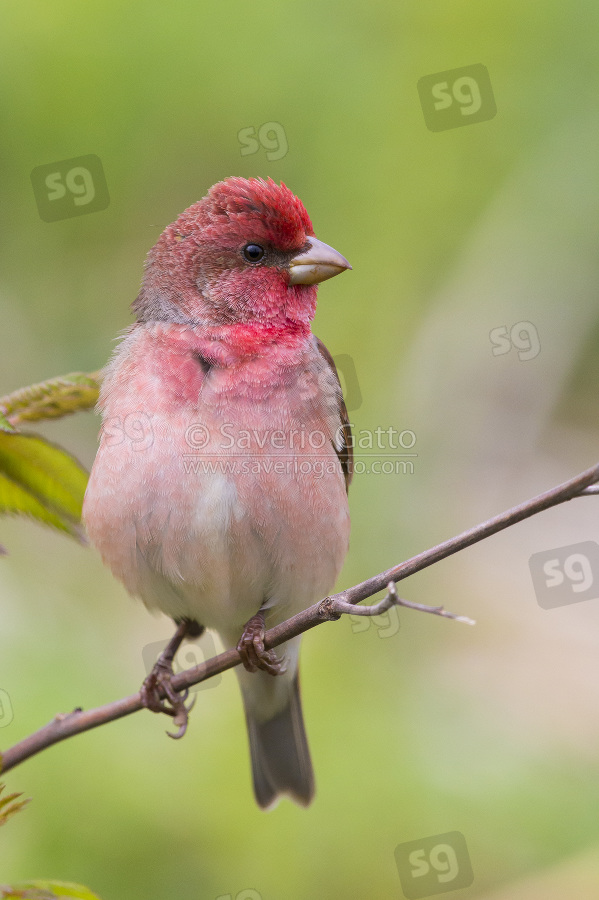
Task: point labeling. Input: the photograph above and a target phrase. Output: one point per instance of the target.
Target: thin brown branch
(391, 599)
(329, 609)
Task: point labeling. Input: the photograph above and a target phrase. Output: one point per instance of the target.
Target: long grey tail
(280, 756)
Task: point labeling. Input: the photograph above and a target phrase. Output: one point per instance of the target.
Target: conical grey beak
(316, 264)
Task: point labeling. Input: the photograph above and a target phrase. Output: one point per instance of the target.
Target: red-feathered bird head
(245, 252)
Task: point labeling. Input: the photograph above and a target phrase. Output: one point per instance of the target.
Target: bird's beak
(316, 264)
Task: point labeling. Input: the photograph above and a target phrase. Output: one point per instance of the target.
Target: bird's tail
(278, 745)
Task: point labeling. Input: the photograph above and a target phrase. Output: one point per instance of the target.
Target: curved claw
(181, 718)
(253, 654)
(173, 704)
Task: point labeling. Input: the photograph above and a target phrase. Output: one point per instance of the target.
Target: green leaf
(37, 478)
(41, 480)
(9, 806)
(50, 399)
(46, 890)
(15, 500)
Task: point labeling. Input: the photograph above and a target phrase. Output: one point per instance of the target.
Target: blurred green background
(418, 726)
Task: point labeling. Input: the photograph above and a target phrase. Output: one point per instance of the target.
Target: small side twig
(390, 599)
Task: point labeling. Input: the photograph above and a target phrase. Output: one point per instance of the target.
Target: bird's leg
(158, 682)
(251, 648)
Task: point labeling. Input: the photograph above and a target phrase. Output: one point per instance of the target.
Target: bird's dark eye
(253, 252)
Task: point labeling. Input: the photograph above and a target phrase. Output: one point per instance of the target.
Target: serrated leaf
(50, 399)
(47, 890)
(41, 480)
(10, 804)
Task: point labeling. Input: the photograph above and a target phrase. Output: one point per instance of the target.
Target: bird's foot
(158, 695)
(157, 691)
(253, 653)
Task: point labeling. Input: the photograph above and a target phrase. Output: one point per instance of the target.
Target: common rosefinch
(232, 514)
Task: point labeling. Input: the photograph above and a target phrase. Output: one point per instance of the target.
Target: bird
(218, 494)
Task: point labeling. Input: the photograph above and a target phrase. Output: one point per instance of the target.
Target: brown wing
(345, 451)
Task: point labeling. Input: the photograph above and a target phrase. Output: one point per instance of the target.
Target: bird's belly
(215, 537)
